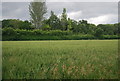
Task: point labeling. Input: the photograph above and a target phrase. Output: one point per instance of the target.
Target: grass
(67, 59)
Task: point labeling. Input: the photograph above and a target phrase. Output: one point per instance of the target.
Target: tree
(74, 26)
(107, 28)
(92, 29)
(16, 24)
(64, 22)
(84, 26)
(99, 32)
(117, 29)
(13, 23)
(54, 21)
(37, 11)
(69, 24)
(26, 25)
(45, 27)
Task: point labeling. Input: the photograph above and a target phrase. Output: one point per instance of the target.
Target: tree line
(55, 26)
(64, 24)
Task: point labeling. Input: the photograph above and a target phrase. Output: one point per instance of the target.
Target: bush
(0, 34)
(59, 32)
(38, 32)
(24, 32)
(110, 37)
(78, 37)
(52, 32)
(9, 31)
(45, 27)
(11, 34)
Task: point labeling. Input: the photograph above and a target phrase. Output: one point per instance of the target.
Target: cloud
(15, 10)
(104, 19)
(94, 12)
(63, 0)
(16, 0)
(75, 15)
(0, 11)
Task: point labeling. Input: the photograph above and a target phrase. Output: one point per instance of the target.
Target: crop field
(60, 59)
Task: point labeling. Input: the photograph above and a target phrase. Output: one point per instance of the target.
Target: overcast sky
(94, 12)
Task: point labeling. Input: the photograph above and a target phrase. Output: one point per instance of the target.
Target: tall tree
(69, 27)
(84, 26)
(54, 21)
(99, 32)
(64, 22)
(37, 10)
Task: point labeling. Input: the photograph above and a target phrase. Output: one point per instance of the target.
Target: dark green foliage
(59, 33)
(110, 37)
(117, 28)
(46, 27)
(12, 34)
(108, 29)
(24, 32)
(26, 25)
(8, 31)
(38, 32)
(16, 24)
(74, 26)
(99, 32)
(92, 29)
(53, 22)
(84, 26)
(0, 34)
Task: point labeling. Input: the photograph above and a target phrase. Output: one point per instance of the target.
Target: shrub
(11, 34)
(45, 27)
(59, 32)
(24, 32)
(38, 32)
(110, 37)
(9, 31)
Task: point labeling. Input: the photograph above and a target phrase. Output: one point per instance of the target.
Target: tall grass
(68, 59)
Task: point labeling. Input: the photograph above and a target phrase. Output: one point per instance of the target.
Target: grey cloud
(17, 10)
(88, 9)
(63, 0)
(0, 11)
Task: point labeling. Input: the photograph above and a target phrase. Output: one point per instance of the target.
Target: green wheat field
(60, 59)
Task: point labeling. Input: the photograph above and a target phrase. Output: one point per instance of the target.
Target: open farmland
(67, 59)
